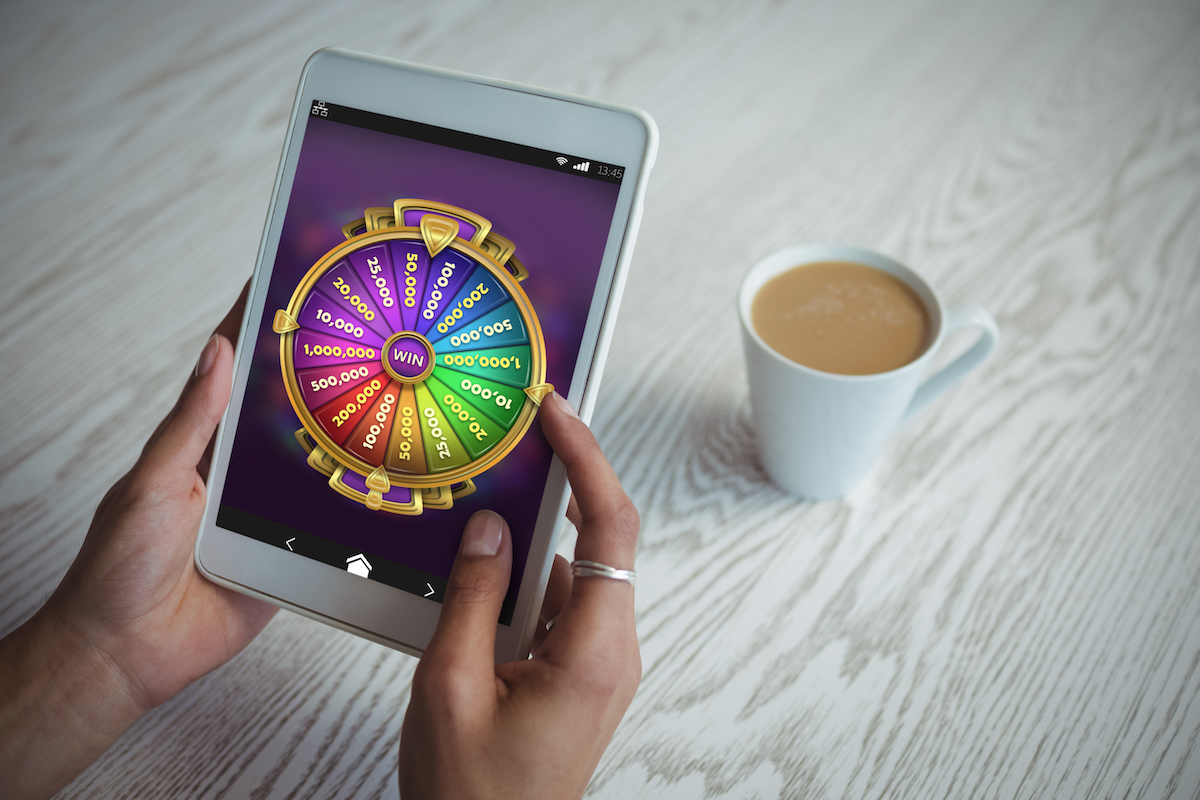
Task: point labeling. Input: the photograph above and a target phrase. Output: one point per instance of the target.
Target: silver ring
(594, 569)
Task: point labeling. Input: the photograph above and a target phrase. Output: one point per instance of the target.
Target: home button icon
(358, 565)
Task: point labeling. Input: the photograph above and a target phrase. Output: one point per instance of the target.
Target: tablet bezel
(472, 104)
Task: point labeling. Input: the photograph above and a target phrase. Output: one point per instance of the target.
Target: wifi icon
(561, 160)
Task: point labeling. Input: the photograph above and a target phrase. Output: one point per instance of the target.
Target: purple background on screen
(559, 223)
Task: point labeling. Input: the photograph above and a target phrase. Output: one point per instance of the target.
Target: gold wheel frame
(537, 367)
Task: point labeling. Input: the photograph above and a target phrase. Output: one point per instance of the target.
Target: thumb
(180, 442)
(465, 640)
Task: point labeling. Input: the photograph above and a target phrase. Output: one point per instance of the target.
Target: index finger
(595, 628)
(609, 522)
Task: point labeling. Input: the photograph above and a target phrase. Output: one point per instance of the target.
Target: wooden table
(1009, 606)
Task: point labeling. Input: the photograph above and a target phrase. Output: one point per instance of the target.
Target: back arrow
(430, 589)
(289, 543)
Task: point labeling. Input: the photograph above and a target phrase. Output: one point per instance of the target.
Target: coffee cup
(820, 432)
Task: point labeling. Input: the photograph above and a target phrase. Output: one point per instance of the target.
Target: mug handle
(956, 370)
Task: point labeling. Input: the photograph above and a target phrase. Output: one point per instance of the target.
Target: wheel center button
(408, 357)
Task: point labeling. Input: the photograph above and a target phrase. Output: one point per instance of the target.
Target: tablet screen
(403, 347)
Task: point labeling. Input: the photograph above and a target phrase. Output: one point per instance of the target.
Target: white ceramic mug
(819, 432)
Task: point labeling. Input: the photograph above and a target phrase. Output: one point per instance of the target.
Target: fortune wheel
(412, 356)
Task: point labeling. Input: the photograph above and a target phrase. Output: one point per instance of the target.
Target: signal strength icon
(561, 160)
(583, 166)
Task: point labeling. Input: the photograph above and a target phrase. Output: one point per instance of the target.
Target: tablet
(441, 251)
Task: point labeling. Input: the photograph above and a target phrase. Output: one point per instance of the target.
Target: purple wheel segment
(341, 284)
(411, 263)
(312, 349)
(322, 314)
(373, 266)
(447, 272)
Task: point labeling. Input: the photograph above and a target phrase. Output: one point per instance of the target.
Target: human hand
(133, 622)
(535, 728)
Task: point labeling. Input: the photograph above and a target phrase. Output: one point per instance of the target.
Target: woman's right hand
(534, 728)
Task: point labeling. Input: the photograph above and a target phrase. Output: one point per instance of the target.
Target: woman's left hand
(133, 622)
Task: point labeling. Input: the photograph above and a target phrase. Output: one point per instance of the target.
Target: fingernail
(564, 406)
(482, 535)
(207, 356)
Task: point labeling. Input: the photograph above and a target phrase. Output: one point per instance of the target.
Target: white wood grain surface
(1008, 607)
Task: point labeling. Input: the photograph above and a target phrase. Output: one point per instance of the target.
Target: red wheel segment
(320, 385)
(341, 416)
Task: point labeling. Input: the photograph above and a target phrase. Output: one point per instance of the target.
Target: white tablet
(441, 250)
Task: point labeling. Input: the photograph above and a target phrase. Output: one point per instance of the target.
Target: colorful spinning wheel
(412, 356)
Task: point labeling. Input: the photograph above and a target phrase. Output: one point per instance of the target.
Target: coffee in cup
(841, 317)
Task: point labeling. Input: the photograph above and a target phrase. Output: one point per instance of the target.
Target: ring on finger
(594, 569)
